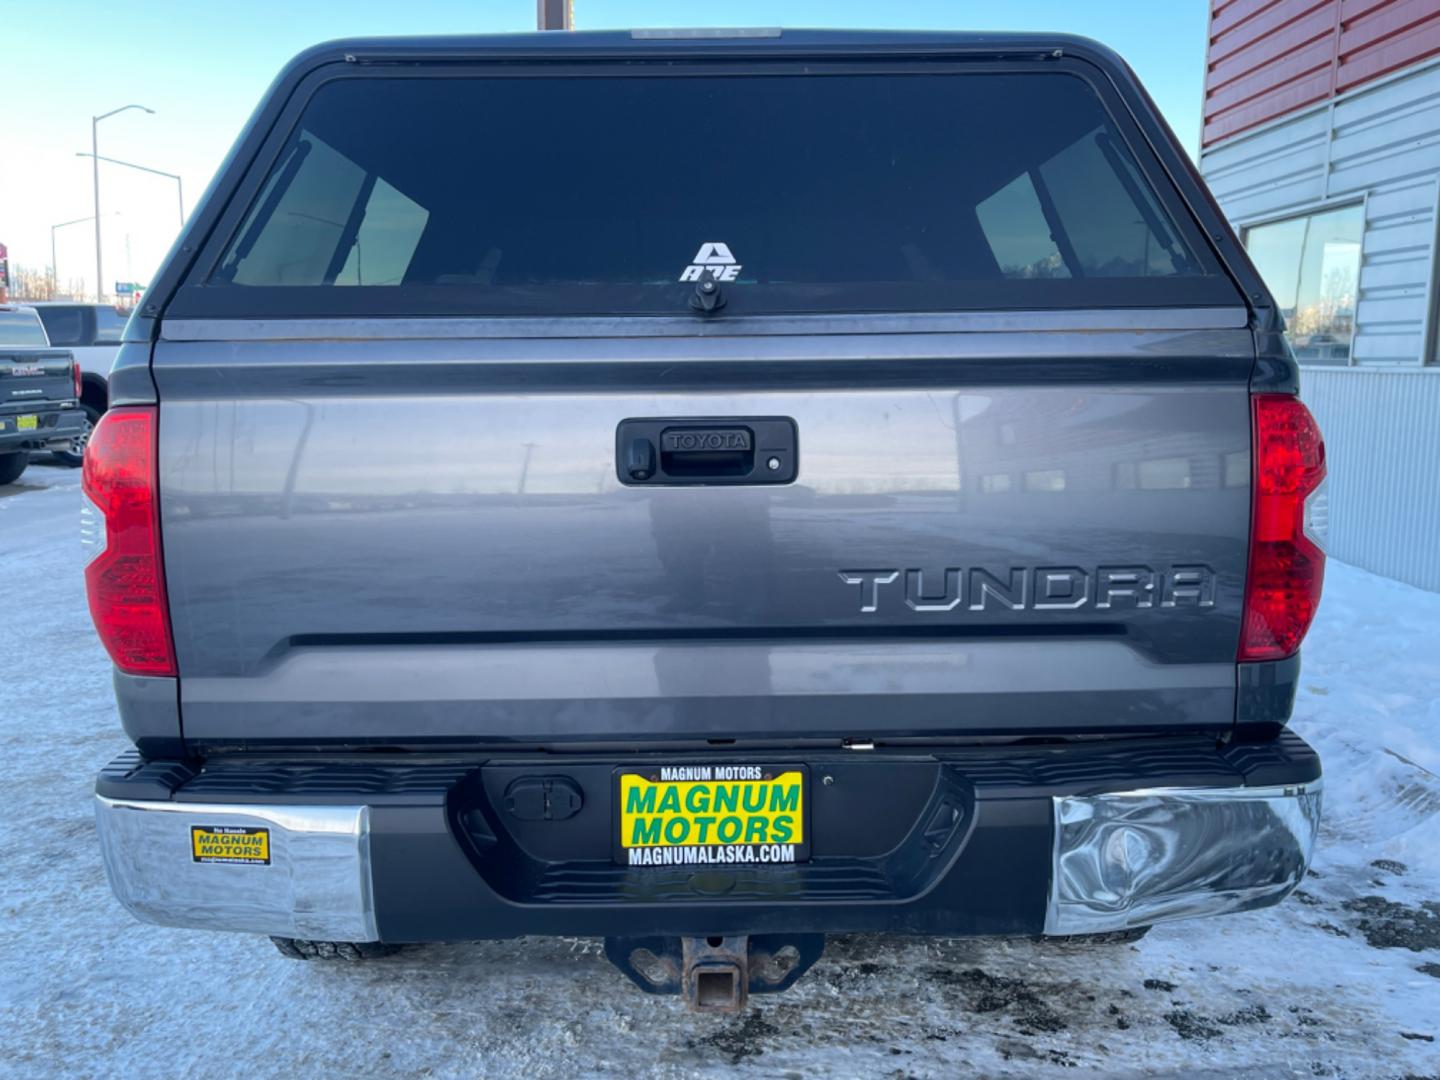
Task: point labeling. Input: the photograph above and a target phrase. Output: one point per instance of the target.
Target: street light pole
(95, 163)
(179, 186)
(554, 14)
(54, 262)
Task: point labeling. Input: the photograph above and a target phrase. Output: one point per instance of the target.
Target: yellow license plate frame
(27, 422)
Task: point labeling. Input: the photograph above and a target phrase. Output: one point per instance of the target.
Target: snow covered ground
(1341, 980)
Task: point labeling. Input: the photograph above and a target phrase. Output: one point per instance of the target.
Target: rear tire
(75, 456)
(1093, 941)
(12, 465)
(301, 949)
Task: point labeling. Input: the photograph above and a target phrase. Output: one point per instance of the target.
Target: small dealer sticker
(229, 844)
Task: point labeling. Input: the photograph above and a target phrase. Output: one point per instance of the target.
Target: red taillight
(126, 579)
(1287, 568)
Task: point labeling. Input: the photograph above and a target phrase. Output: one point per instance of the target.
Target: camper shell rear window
(973, 186)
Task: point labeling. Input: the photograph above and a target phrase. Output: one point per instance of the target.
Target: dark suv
(705, 490)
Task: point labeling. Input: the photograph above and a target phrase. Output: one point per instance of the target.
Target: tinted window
(110, 325)
(66, 326)
(1083, 213)
(1312, 266)
(297, 230)
(797, 193)
(1111, 223)
(1018, 234)
(387, 239)
(21, 328)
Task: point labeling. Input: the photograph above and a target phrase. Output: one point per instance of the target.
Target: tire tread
(354, 951)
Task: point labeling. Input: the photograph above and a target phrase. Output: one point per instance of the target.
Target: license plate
(27, 423)
(700, 815)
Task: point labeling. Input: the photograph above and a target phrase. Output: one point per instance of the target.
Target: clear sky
(203, 65)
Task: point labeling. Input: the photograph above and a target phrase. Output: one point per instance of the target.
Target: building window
(1312, 266)
(995, 483)
(1045, 480)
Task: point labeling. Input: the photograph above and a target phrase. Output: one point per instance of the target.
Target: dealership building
(1321, 143)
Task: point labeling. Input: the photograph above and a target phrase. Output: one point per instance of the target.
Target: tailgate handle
(675, 451)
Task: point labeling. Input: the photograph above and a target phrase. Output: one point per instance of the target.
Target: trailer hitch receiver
(717, 972)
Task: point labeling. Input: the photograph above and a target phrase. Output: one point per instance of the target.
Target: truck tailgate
(425, 540)
(30, 377)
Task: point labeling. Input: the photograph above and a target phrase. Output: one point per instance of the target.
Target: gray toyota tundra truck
(705, 490)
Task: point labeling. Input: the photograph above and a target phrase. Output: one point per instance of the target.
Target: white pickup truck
(92, 334)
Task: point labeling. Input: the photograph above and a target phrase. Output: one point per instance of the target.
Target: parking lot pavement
(1343, 979)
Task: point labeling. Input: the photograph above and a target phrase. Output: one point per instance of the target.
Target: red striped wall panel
(1270, 57)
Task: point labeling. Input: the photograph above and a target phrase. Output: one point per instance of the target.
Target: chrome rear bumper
(1135, 858)
(315, 882)
(393, 857)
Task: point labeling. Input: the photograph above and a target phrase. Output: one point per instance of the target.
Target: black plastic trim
(1265, 696)
(130, 380)
(150, 713)
(1275, 371)
(1083, 766)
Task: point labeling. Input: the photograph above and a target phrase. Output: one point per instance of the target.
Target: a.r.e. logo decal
(714, 259)
(231, 844)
